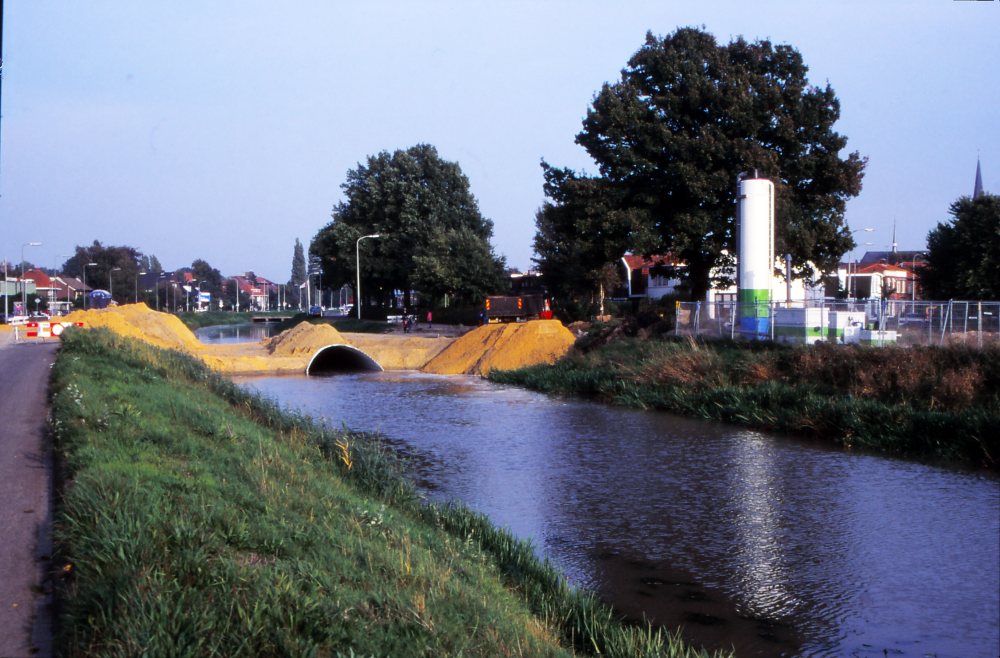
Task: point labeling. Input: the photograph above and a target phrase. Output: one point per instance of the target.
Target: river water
(236, 333)
(767, 544)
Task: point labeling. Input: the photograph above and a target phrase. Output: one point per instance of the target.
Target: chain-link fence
(875, 322)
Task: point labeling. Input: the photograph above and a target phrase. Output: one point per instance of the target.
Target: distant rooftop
(893, 257)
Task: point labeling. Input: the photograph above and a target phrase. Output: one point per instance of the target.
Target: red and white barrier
(48, 329)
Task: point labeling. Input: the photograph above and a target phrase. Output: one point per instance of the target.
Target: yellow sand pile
(503, 347)
(477, 352)
(303, 339)
(398, 352)
(138, 321)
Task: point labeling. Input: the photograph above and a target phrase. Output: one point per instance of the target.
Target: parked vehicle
(517, 309)
(315, 310)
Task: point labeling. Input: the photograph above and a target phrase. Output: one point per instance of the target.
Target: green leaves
(688, 115)
(963, 260)
(433, 237)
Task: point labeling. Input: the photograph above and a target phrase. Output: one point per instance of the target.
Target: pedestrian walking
(428, 319)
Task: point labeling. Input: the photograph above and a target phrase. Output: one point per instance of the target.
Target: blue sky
(223, 130)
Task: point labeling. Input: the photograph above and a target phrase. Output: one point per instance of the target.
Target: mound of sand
(394, 352)
(503, 347)
(138, 321)
(304, 339)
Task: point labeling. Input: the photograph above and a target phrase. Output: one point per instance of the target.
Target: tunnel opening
(335, 359)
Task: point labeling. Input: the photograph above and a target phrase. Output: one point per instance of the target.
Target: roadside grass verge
(346, 325)
(197, 518)
(940, 402)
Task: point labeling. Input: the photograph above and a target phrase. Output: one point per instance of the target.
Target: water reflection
(249, 332)
(773, 545)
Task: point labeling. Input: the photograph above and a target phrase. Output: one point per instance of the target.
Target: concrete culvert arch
(341, 358)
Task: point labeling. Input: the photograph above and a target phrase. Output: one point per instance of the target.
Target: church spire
(978, 189)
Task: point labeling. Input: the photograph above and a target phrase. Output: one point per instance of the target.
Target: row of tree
(668, 139)
(119, 269)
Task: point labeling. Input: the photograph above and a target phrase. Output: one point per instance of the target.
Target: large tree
(432, 235)
(122, 263)
(963, 254)
(689, 115)
(208, 276)
(581, 234)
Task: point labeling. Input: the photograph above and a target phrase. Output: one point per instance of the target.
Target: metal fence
(877, 322)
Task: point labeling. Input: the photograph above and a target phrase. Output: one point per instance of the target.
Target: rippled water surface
(773, 545)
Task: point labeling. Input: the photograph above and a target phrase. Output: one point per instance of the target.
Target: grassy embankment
(933, 401)
(343, 325)
(197, 518)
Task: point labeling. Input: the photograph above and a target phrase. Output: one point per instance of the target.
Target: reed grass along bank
(941, 402)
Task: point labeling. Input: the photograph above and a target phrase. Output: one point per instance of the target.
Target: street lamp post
(137, 286)
(24, 284)
(54, 272)
(357, 261)
(111, 281)
(854, 285)
(85, 295)
(159, 279)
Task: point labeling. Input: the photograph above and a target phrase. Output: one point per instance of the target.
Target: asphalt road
(25, 486)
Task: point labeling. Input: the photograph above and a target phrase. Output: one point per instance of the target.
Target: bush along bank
(940, 402)
(214, 318)
(197, 518)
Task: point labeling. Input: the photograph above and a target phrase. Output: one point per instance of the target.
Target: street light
(137, 286)
(24, 284)
(111, 281)
(159, 279)
(854, 284)
(357, 261)
(85, 295)
(54, 272)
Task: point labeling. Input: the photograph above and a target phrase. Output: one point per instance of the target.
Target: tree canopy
(432, 235)
(209, 277)
(107, 260)
(582, 232)
(298, 275)
(689, 115)
(963, 254)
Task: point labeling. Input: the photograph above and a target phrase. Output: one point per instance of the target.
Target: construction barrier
(48, 329)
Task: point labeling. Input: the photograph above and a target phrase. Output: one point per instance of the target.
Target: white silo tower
(755, 213)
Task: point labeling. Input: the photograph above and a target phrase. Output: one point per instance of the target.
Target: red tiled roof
(40, 278)
(640, 262)
(882, 268)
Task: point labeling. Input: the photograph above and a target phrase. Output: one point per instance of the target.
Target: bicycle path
(25, 496)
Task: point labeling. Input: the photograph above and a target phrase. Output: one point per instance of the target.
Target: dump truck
(517, 309)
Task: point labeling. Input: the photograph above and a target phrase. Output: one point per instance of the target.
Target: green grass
(213, 318)
(347, 325)
(198, 519)
(938, 402)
